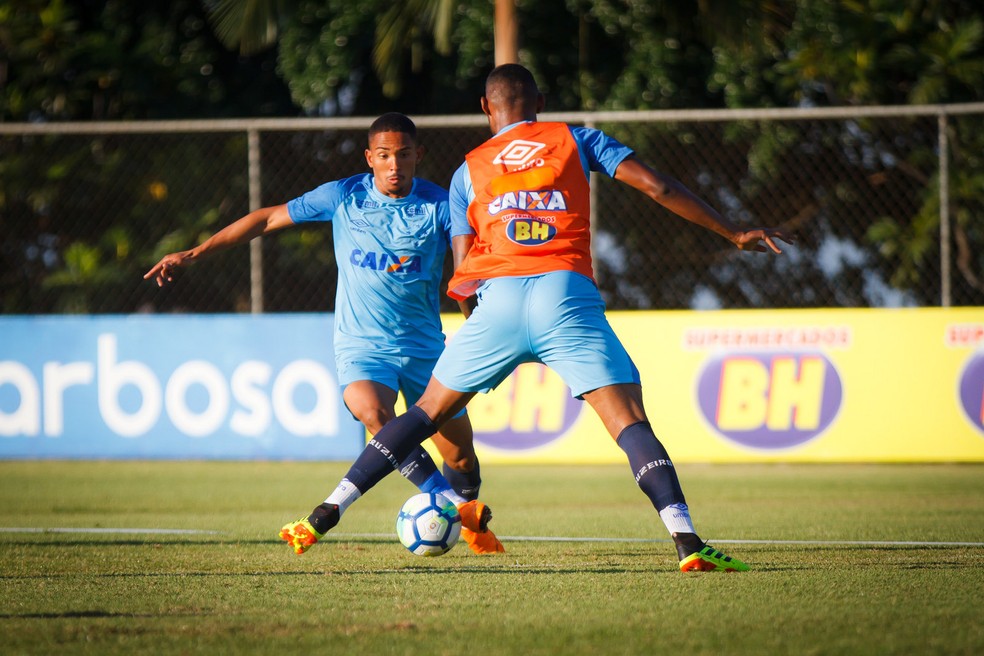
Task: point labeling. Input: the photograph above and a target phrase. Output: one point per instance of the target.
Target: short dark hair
(511, 83)
(393, 122)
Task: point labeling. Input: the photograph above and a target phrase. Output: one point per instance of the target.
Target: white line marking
(136, 531)
(869, 543)
(511, 538)
(864, 543)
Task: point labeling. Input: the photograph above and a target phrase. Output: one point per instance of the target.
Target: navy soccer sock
(656, 476)
(420, 470)
(418, 467)
(392, 445)
(466, 484)
(651, 465)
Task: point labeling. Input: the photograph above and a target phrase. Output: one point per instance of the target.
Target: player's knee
(462, 463)
(373, 418)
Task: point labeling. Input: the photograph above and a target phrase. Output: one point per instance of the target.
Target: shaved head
(511, 85)
(511, 96)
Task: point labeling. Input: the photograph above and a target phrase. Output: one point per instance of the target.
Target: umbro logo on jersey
(518, 152)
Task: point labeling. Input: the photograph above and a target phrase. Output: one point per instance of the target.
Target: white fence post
(255, 246)
(945, 253)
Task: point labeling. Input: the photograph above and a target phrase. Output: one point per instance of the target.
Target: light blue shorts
(400, 374)
(557, 319)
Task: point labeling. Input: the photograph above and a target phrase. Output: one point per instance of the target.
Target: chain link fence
(887, 205)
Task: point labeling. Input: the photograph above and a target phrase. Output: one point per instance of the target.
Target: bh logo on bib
(526, 230)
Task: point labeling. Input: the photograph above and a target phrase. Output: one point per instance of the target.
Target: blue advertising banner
(153, 386)
(844, 385)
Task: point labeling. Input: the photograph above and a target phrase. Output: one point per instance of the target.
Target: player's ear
(541, 102)
(485, 106)
(421, 151)
(369, 157)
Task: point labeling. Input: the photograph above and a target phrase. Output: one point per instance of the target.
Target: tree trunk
(506, 33)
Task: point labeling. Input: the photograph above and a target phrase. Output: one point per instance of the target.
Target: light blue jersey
(390, 254)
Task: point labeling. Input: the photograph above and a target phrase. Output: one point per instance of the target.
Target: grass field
(857, 559)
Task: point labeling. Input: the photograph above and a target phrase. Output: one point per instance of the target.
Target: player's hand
(163, 271)
(751, 240)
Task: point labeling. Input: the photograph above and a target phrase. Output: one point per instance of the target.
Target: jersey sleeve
(318, 204)
(600, 152)
(460, 195)
(443, 210)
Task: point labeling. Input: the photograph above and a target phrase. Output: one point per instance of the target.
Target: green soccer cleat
(300, 535)
(304, 533)
(709, 559)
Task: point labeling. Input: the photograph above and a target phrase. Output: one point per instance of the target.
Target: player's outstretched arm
(672, 195)
(260, 222)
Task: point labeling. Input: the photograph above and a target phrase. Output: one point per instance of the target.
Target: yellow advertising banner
(851, 385)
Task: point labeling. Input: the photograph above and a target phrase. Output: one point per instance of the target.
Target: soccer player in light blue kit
(391, 232)
(522, 247)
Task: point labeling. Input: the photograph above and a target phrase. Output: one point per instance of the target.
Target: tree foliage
(113, 60)
(118, 60)
(882, 52)
(82, 214)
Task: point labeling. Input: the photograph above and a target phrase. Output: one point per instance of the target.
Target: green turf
(240, 591)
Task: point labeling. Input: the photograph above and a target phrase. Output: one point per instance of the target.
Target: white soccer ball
(428, 524)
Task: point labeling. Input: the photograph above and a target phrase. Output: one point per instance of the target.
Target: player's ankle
(324, 517)
(687, 543)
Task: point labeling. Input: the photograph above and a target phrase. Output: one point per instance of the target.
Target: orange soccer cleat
(475, 517)
(482, 543)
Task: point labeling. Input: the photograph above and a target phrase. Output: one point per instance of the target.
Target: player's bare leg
(618, 406)
(371, 403)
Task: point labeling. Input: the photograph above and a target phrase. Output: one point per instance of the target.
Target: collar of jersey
(511, 126)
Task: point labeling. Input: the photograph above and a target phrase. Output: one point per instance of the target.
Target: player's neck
(395, 194)
(500, 124)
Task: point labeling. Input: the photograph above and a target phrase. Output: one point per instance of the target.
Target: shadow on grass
(155, 541)
(775, 559)
(88, 614)
(386, 571)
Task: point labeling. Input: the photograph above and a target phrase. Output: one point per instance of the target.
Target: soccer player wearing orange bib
(521, 241)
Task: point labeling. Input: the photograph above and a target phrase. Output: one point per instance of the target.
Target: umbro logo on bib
(518, 152)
